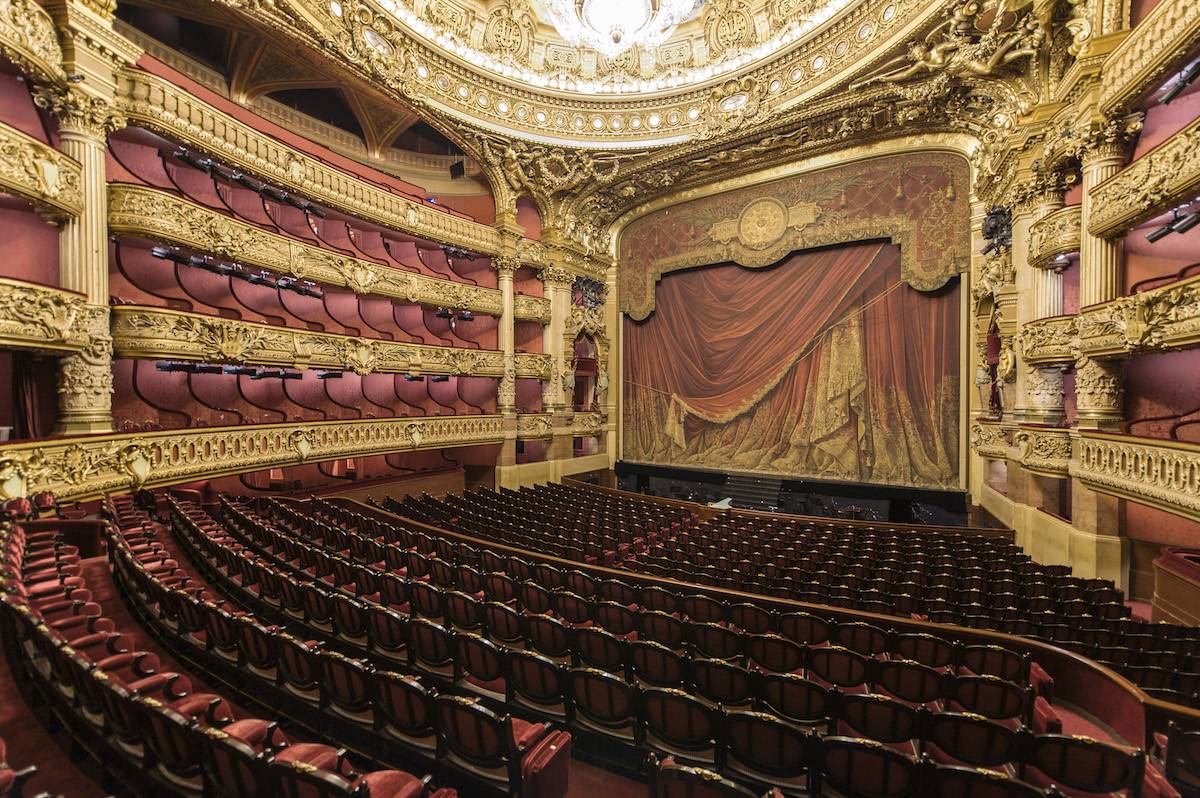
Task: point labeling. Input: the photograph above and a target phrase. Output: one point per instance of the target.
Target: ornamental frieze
(29, 39)
(1049, 341)
(1148, 54)
(531, 426)
(44, 319)
(1044, 450)
(169, 218)
(89, 466)
(145, 332)
(1053, 235)
(1160, 179)
(989, 440)
(918, 201)
(585, 424)
(152, 102)
(1161, 473)
(39, 173)
(1159, 320)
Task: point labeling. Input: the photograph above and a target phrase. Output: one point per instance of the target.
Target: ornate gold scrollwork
(39, 173)
(1162, 473)
(42, 318)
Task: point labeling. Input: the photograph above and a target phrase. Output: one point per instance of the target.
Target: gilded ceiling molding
(1044, 450)
(157, 333)
(168, 218)
(1161, 473)
(29, 38)
(1053, 235)
(156, 104)
(89, 466)
(393, 54)
(1159, 320)
(1149, 53)
(919, 201)
(40, 174)
(989, 439)
(43, 318)
(1155, 182)
(1046, 342)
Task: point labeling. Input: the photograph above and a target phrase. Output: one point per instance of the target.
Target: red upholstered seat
(392, 784)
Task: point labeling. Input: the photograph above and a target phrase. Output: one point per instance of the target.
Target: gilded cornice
(1160, 179)
(166, 217)
(385, 52)
(1050, 341)
(1149, 53)
(1044, 450)
(39, 173)
(1159, 320)
(989, 439)
(1161, 473)
(157, 333)
(89, 466)
(154, 103)
(29, 39)
(1053, 235)
(44, 319)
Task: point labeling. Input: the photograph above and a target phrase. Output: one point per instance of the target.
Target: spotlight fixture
(458, 252)
(329, 375)
(1154, 236)
(1184, 80)
(210, 166)
(439, 378)
(241, 371)
(443, 313)
(1186, 223)
(466, 315)
(413, 378)
(187, 368)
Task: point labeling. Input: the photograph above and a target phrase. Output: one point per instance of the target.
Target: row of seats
(151, 720)
(907, 572)
(379, 711)
(673, 722)
(473, 653)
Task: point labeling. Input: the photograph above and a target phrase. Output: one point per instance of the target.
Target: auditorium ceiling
(593, 129)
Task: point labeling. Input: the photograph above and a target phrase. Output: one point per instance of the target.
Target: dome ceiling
(502, 65)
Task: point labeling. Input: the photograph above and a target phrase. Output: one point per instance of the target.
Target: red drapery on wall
(825, 365)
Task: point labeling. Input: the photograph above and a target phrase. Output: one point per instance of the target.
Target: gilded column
(1099, 258)
(92, 54)
(1043, 400)
(507, 397)
(558, 282)
(1048, 282)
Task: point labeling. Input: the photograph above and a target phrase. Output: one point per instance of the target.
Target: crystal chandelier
(613, 26)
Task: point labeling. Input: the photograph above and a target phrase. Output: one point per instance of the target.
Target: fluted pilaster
(1100, 268)
(507, 395)
(558, 283)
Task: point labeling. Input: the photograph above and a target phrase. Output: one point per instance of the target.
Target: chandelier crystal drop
(613, 26)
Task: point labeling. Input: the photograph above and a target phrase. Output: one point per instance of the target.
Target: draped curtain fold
(825, 365)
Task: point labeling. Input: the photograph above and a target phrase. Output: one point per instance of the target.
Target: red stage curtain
(825, 365)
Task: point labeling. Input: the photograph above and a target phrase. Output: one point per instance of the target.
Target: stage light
(466, 315)
(329, 375)
(1154, 236)
(1185, 79)
(413, 378)
(440, 378)
(241, 371)
(442, 313)
(1186, 223)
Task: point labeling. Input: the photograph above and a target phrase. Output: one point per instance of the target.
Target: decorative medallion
(762, 223)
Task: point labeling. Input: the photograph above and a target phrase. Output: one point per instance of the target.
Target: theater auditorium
(600, 398)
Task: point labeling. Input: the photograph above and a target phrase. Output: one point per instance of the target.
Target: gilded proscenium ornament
(1054, 235)
(1049, 341)
(44, 319)
(1155, 182)
(989, 440)
(39, 173)
(151, 102)
(144, 332)
(29, 39)
(1161, 473)
(1151, 51)
(171, 219)
(87, 467)
(1159, 320)
(1044, 450)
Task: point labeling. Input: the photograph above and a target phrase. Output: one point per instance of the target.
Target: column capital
(80, 112)
(1099, 392)
(506, 265)
(557, 277)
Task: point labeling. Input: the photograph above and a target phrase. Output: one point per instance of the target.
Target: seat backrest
(992, 697)
(863, 638)
(972, 739)
(1183, 758)
(1082, 763)
(301, 780)
(535, 677)
(766, 744)
(797, 699)
(669, 779)
(929, 650)
(838, 666)
(878, 717)
(722, 682)
(479, 657)
(474, 732)
(655, 663)
(681, 720)
(803, 628)
(405, 702)
(949, 781)
(600, 649)
(774, 653)
(910, 681)
(602, 697)
(232, 768)
(996, 661)
(858, 768)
